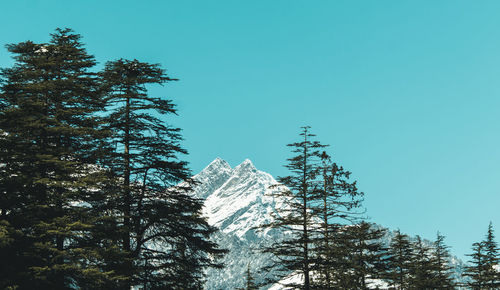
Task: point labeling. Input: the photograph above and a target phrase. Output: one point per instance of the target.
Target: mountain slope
(236, 201)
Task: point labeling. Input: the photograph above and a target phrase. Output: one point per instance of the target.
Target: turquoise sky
(406, 92)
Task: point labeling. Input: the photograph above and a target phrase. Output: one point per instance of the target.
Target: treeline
(89, 176)
(329, 245)
(94, 193)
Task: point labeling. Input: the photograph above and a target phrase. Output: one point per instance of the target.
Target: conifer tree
(336, 202)
(294, 253)
(367, 255)
(422, 267)
(162, 228)
(442, 272)
(477, 268)
(399, 261)
(250, 281)
(49, 150)
(484, 260)
(491, 275)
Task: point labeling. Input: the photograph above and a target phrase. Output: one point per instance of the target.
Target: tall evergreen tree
(484, 261)
(49, 150)
(491, 275)
(297, 191)
(336, 201)
(161, 224)
(442, 271)
(367, 255)
(421, 267)
(475, 272)
(400, 261)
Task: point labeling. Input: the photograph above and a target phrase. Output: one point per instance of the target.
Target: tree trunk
(127, 197)
(304, 215)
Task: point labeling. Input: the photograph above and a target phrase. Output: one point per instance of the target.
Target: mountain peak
(237, 200)
(247, 161)
(246, 165)
(218, 163)
(212, 177)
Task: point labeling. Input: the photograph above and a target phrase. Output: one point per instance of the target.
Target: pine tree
(49, 150)
(491, 275)
(422, 267)
(399, 261)
(294, 253)
(477, 268)
(155, 208)
(484, 260)
(336, 201)
(367, 255)
(250, 281)
(442, 272)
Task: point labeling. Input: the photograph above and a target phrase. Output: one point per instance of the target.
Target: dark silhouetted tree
(162, 227)
(294, 253)
(491, 275)
(475, 272)
(50, 176)
(422, 266)
(249, 281)
(367, 256)
(442, 271)
(484, 260)
(399, 261)
(336, 202)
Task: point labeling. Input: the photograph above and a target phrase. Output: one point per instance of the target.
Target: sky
(406, 93)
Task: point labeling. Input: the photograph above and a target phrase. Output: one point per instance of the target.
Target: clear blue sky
(406, 92)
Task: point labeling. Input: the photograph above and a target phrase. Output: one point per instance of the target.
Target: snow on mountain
(236, 201)
(212, 177)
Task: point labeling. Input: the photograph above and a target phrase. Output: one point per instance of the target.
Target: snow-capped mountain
(236, 201)
(235, 198)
